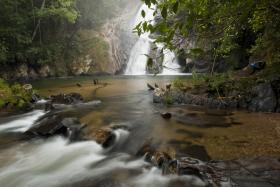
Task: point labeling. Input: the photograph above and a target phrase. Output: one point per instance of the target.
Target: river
(192, 131)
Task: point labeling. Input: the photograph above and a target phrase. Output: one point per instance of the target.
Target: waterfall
(138, 59)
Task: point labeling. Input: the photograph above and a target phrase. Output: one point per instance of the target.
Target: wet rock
(263, 98)
(168, 86)
(157, 95)
(105, 137)
(166, 115)
(147, 150)
(49, 106)
(251, 171)
(72, 98)
(55, 125)
(159, 158)
(35, 98)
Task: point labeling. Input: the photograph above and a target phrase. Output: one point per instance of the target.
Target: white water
(50, 163)
(138, 61)
(22, 122)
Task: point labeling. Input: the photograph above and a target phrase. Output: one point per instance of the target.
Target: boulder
(166, 115)
(263, 98)
(72, 98)
(105, 137)
(55, 125)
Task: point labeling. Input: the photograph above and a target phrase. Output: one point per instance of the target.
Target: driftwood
(150, 87)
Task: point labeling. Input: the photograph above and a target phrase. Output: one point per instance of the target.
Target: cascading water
(138, 59)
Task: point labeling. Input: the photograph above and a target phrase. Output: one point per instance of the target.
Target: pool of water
(192, 131)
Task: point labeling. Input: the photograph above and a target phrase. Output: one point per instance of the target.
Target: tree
(250, 25)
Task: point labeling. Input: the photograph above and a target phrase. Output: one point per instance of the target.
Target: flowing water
(192, 131)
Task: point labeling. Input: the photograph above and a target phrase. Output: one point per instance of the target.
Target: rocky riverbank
(257, 95)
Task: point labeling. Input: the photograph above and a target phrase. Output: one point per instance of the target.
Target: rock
(189, 65)
(150, 87)
(166, 115)
(95, 82)
(263, 98)
(105, 137)
(74, 129)
(157, 95)
(159, 158)
(168, 86)
(81, 66)
(55, 125)
(72, 98)
(35, 98)
(27, 87)
(45, 71)
(275, 83)
(49, 106)
(21, 72)
(146, 150)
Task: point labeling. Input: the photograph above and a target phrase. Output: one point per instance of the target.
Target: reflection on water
(195, 131)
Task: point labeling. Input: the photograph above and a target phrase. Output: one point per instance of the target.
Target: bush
(14, 94)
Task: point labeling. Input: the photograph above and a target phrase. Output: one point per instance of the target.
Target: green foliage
(14, 94)
(168, 99)
(29, 28)
(179, 84)
(222, 24)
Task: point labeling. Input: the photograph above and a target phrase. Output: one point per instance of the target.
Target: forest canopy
(42, 31)
(217, 27)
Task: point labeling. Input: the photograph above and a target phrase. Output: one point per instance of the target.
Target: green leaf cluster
(219, 26)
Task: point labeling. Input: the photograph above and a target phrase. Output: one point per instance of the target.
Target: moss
(14, 95)
(168, 99)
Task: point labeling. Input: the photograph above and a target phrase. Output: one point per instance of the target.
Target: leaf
(143, 13)
(148, 3)
(154, 2)
(175, 7)
(164, 12)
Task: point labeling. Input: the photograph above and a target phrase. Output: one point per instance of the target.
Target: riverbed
(203, 133)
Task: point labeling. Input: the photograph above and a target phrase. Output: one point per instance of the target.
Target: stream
(193, 131)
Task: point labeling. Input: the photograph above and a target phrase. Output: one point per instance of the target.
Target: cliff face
(93, 48)
(118, 34)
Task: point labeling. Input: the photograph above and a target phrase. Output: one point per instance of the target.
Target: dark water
(192, 131)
